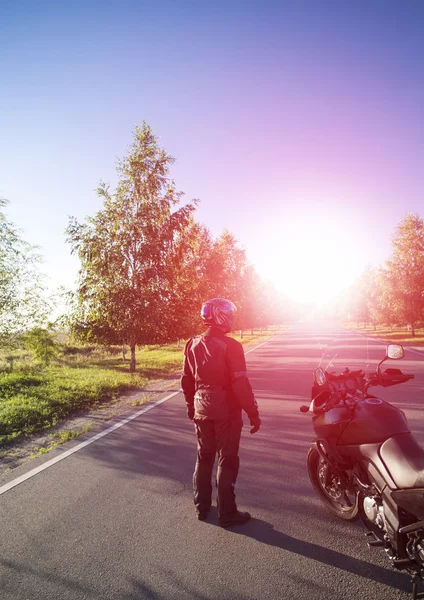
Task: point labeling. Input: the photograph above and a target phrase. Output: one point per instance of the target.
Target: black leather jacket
(214, 379)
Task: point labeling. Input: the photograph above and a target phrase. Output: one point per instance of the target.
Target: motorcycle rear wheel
(329, 487)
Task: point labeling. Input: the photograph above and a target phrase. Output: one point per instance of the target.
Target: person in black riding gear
(216, 390)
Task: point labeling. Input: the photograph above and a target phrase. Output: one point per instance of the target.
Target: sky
(298, 124)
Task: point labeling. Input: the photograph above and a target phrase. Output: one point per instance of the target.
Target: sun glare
(316, 259)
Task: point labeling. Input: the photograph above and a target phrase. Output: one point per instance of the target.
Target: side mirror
(320, 377)
(394, 351)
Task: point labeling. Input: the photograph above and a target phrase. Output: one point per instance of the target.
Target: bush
(42, 344)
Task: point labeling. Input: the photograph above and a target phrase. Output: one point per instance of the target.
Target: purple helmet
(218, 312)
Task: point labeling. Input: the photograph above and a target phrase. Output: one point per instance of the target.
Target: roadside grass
(250, 338)
(59, 438)
(31, 402)
(140, 401)
(397, 335)
(34, 398)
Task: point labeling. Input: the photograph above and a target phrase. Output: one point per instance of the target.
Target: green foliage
(405, 270)
(147, 266)
(58, 438)
(21, 284)
(394, 293)
(32, 400)
(129, 251)
(37, 402)
(41, 343)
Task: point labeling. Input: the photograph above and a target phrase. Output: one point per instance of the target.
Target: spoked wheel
(330, 487)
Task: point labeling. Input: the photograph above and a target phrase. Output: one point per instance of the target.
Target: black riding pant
(222, 437)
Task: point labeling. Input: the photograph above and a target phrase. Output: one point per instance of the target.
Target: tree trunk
(124, 352)
(251, 332)
(179, 344)
(241, 333)
(132, 361)
(413, 330)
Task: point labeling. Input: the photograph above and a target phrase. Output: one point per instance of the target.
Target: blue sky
(285, 118)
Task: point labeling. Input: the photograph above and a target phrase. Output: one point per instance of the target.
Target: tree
(225, 268)
(250, 302)
(385, 311)
(42, 343)
(228, 274)
(405, 271)
(132, 252)
(272, 307)
(361, 301)
(191, 284)
(370, 290)
(22, 304)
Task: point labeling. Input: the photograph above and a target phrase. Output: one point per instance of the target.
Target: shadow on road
(35, 573)
(132, 588)
(265, 533)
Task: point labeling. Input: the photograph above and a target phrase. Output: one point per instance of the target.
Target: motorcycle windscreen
(410, 500)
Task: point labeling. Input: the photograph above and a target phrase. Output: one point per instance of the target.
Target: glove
(190, 412)
(256, 423)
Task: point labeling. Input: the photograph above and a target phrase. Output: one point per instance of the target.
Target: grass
(59, 438)
(140, 401)
(249, 339)
(38, 401)
(399, 335)
(35, 398)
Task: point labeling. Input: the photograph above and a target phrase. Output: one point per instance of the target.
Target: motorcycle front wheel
(331, 488)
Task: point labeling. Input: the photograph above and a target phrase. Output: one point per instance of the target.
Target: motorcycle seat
(404, 459)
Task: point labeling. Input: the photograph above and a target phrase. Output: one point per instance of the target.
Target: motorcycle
(365, 462)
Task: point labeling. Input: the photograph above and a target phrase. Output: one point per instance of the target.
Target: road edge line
(263, 343)
(8, 486)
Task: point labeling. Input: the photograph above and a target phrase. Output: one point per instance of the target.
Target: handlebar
(390, 377)
(323, 396)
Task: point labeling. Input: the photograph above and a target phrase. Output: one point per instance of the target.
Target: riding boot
(225, 481)
(202, 484)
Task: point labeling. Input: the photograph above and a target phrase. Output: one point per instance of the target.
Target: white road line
(263, 343)
(420, 353)
(53, 461)
(8, 486)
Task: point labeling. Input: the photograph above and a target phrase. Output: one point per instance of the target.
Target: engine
(415, 547)
(373, 509)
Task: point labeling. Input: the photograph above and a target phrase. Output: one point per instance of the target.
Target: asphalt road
(115, 520)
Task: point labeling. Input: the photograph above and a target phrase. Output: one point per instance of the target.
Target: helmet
(218, 312)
